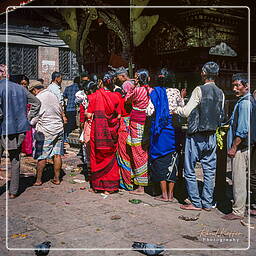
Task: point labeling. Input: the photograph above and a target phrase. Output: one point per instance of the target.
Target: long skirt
(104, 168)
(138, 140)
(165, 168)
(123, 155)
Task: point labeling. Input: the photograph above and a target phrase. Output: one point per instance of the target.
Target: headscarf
(160, 102)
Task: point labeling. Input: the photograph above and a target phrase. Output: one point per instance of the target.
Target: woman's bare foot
(161, 198)
(55, 182)
(38, 183)
(91, 190)
(137, 192)
(190, 207)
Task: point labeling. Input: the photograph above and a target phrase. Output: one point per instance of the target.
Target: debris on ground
(43, 248)
(19, 236)
(71, 190)
(135, 201)
(115, 217)
(186, 218)
(79, 181)
(104, 195)
(191, 238)
(147, 249)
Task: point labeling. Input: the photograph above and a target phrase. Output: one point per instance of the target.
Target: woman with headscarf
(104, 110)
(138, 139)
(163, 154)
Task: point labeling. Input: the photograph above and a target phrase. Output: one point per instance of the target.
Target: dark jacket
(14, 116)
(207, 116)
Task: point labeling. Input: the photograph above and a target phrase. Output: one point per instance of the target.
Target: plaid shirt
(69, 93)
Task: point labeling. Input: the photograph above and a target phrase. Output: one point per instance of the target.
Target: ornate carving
(168, 39)
(114, 24)
(222, 49)
(208, 36)
(92, 15)
(114, 43)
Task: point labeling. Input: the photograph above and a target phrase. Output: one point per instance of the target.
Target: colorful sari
(138, 138)
(103, 143)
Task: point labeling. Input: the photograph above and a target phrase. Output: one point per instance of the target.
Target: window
(22, 60)
(68, 64)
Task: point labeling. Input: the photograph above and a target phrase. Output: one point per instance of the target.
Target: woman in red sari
(104, 109)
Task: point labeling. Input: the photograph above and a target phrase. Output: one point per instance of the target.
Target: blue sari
(162, 138)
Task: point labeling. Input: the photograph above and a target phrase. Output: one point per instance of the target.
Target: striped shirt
(139, 97)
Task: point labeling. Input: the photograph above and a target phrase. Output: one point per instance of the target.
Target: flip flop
(161, 199)
(55, 182)
(190, 207)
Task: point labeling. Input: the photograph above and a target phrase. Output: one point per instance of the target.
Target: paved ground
(74, 218)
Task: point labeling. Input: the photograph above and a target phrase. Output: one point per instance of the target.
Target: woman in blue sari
(163, 143)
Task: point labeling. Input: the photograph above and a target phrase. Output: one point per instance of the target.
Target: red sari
(105, 106)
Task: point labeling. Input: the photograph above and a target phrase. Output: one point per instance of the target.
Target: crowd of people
(130, 132)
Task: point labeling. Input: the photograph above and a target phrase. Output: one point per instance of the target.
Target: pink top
(139, 97)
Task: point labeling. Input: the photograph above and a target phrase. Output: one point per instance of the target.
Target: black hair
(89, 86)
(108, 79)
(18, 78)
(84, 74)
(165, 78)
(94, 78)
(143, 76)
(55, 75)
(40, 80)
(210, 70)
(242, 77)
(77, 80)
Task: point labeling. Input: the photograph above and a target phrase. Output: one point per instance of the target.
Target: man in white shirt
(49, 132)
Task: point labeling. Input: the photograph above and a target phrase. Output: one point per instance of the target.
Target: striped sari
(138, 138)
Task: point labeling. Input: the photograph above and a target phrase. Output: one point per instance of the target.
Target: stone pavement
(74, 218)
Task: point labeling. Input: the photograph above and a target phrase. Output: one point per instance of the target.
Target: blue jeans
(200, 148)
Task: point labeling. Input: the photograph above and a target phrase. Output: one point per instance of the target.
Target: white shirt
(55, 89)
(49, 120)
(193, 102)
